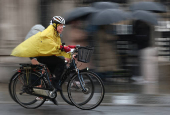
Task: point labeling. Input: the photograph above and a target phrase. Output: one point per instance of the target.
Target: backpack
(34, 30)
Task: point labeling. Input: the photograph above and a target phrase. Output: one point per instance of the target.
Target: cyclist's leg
(59, 69)
(56, 66)
(53, 62)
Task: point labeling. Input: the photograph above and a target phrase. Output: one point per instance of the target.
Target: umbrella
(145, 16)
(105, 5)
(78, 13)
(149, 6)
(108, 16)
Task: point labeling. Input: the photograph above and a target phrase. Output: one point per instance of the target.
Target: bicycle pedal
(54, 101)
(39, 98)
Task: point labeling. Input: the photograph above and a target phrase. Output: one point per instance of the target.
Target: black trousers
(55, 64)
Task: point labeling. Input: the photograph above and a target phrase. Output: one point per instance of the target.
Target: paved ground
(120, 99)
(117, 94)
(14, 109)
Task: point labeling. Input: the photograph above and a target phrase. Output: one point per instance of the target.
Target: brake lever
(62, 46)
(77, 46)
(75, 56)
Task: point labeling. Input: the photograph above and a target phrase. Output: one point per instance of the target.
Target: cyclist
(46, 46)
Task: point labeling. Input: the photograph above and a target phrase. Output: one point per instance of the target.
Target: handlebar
(73, 46)
(73, 51)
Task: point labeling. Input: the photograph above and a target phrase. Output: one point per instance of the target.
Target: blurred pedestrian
(147, 56)
(105, 57)
(77, 34)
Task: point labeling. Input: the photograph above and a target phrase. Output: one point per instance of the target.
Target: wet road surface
(14, 109)
(118, 100)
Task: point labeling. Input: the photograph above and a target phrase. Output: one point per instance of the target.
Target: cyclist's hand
(34, 62)
(67, 60)
(66, 48)
(75, 57)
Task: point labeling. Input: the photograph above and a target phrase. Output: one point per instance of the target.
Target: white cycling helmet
(57, 20)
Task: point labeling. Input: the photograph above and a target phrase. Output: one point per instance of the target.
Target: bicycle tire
(28, 104)
(88, 106)
(10, 85)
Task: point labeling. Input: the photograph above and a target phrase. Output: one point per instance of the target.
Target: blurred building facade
(18, 16)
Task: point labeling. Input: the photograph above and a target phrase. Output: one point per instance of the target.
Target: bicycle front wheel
(93, 94)
(20, 90)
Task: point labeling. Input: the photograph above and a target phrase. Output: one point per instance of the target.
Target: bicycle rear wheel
(93, 95)
(10, 86)
(20, 90)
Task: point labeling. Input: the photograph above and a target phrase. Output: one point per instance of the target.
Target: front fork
(81, 80)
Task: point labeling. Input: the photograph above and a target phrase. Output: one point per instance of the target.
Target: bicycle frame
(66, 73)
(71, 68)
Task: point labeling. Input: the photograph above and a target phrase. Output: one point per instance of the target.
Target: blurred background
(131, 38)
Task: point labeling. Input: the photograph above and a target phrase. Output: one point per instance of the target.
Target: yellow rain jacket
(45, 43)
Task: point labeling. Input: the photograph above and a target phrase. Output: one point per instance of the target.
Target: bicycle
(84, 89)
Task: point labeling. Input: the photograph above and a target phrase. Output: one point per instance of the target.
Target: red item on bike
(66, 49)
(61, 47)
(71, 46)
